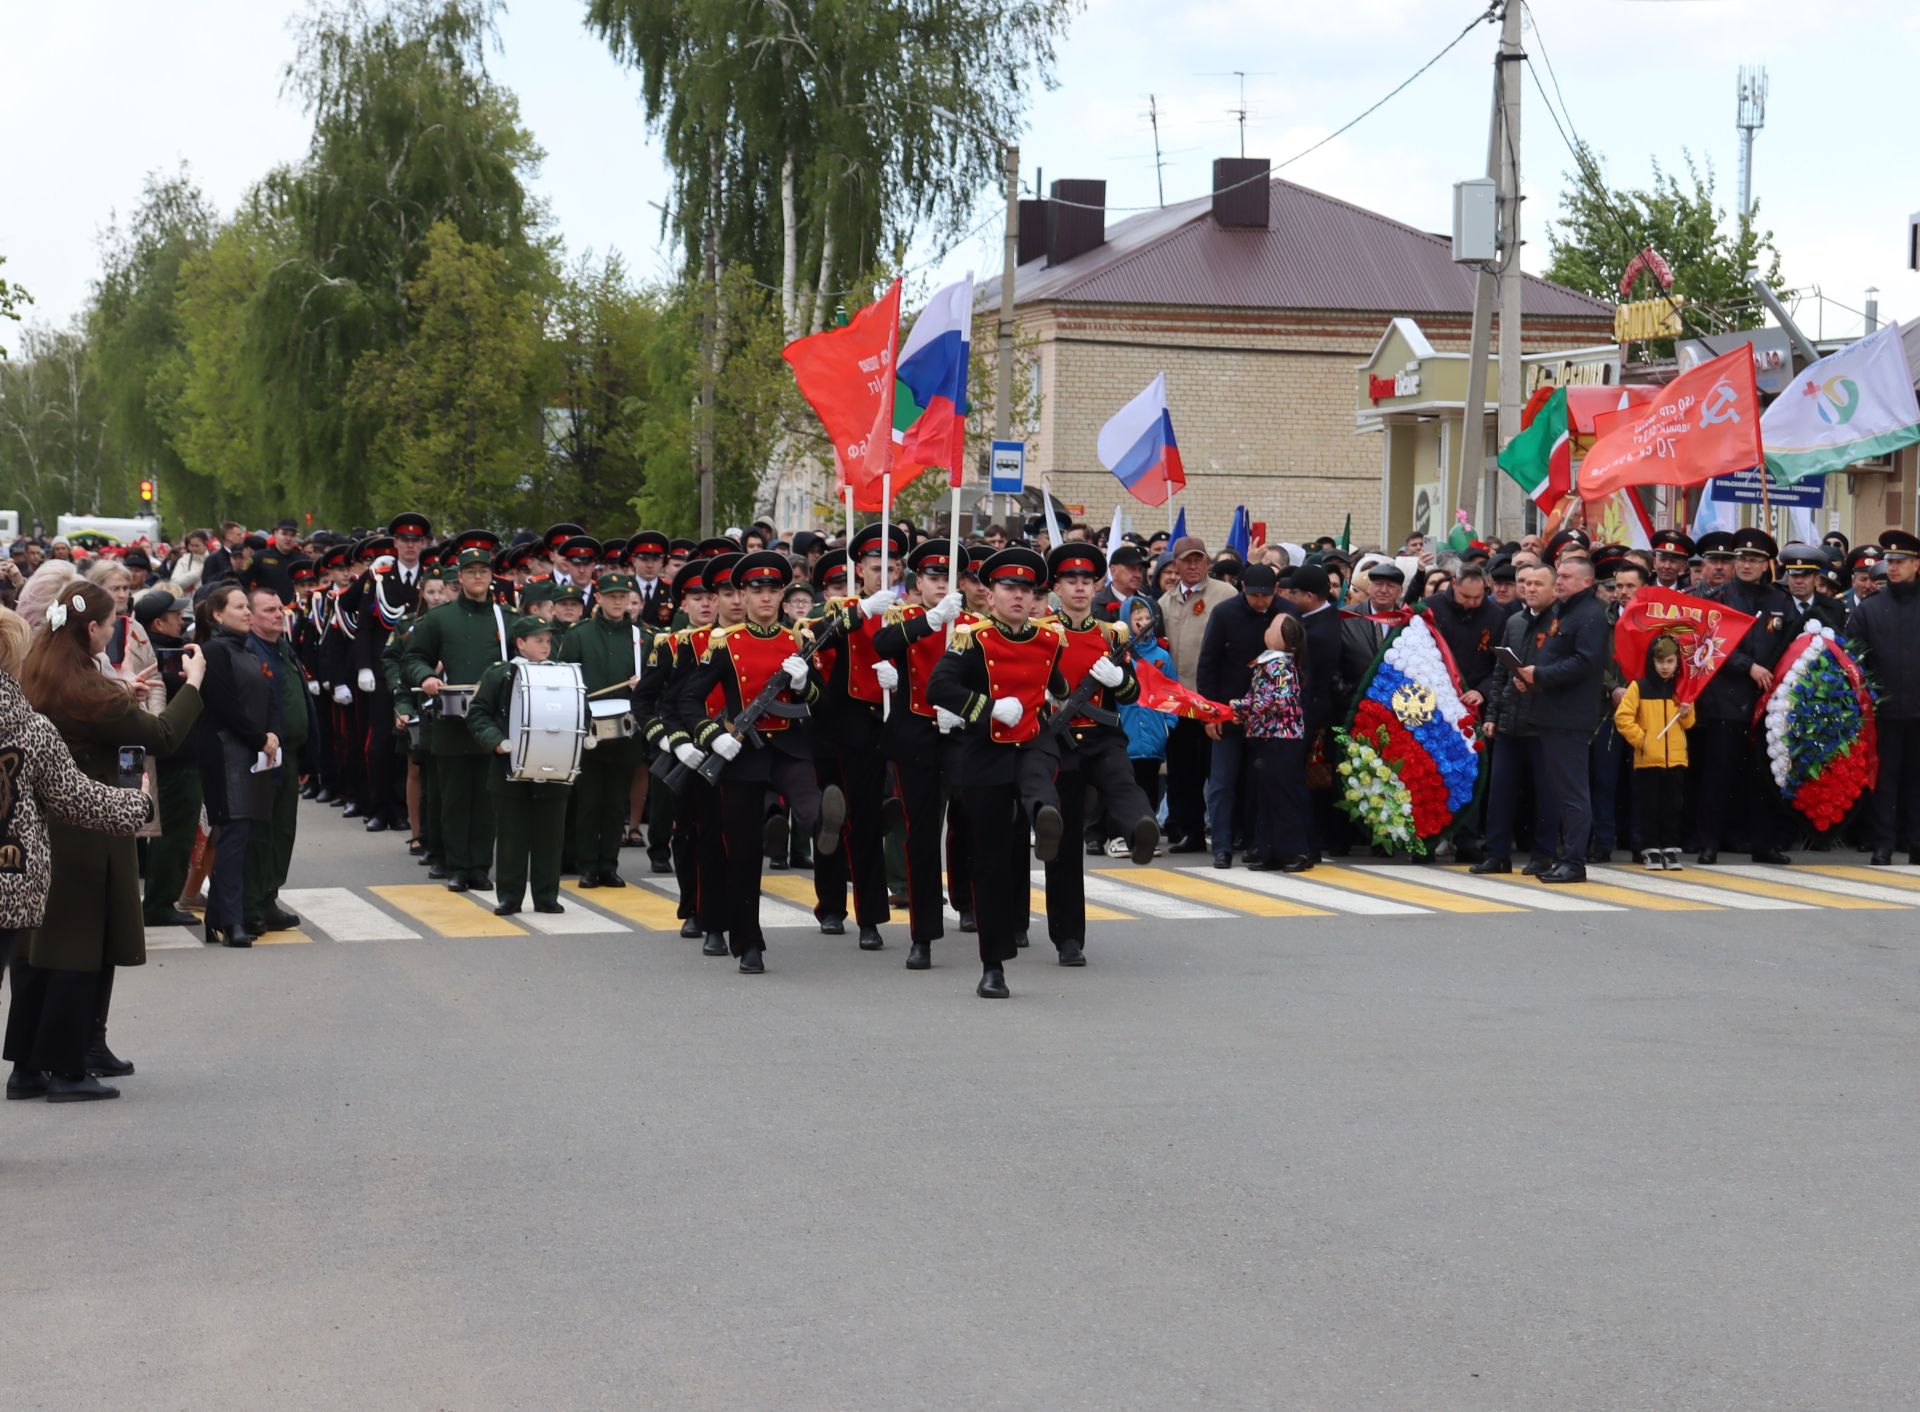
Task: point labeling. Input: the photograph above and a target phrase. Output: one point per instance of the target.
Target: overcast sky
(95, 95)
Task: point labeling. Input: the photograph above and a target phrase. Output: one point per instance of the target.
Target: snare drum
(546, 723)
(452, 702)
(609, 720)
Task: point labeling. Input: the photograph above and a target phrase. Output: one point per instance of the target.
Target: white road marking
(773, 911)
(1294, 888)
(344, 915)
(1819, 882)
(1663, 885)
(577, 920)
(1104, 889)
(1494, 889)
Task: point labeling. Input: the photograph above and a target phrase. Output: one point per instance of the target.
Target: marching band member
(529, 816)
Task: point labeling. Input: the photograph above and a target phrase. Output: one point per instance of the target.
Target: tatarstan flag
(1540, 459)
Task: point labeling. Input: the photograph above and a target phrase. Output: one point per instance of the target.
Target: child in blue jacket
(1146, 728)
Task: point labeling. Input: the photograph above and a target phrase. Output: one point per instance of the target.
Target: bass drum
(546, 722)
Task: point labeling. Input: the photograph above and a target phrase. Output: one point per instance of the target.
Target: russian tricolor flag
(1137, 445)
(930, 396)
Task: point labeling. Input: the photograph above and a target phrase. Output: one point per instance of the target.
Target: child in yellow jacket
(1655, 725)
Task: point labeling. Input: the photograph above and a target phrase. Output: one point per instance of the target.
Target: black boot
(750, 962)
(26, 1083)
(833, 816)
(506, 909)
(1047, 826)
(919, 957)
(77, 1088)
(716, 944)
(103, 1062)
(1073, 953)
(1146, 839)
(690, 929)
(870, 939)
(967, 921)
(993, 984)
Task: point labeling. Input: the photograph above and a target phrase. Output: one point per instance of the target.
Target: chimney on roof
(1033, 228)
(1076, 219)
(1241, 188)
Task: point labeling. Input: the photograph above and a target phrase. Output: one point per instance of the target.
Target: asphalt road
(1653, 1160)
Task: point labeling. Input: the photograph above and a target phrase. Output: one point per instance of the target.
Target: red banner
(1157, 693)
(847, 374)
(1706, 631)
(1705, 423)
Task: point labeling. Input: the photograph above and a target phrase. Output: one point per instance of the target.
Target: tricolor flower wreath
(1410, 754)
(1818, 719)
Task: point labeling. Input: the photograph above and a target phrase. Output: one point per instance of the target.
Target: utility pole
(1750, 117)
(1009, 266)
(1503, 148)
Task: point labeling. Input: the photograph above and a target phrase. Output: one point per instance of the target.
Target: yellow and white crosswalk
(1360, 892)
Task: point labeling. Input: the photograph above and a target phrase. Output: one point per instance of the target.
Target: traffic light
(146, 492)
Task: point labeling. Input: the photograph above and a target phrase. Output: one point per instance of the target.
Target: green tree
(459, 429)
(1595, 239)
(53, 429)
(12, 296)
(134, 336)
(409, 131)
(597, 375)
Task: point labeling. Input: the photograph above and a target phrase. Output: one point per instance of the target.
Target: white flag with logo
(1848, 407)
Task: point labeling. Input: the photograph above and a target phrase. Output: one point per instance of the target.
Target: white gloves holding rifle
(689, 754)
(727, 747)
(888, 674)
(796, 669)
(946, 720)
(1107, 672)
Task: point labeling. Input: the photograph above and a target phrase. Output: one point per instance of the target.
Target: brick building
(1259, 303)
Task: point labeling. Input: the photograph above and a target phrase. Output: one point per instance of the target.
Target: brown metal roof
(1317, 253)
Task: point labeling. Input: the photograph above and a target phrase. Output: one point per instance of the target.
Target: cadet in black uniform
(1884, 633)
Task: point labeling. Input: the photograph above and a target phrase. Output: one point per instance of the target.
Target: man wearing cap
(346, 731)
(1126, 573)
(683, 831)
(1716, 561)
(529, 815)
(1671, 551)
(612, 655)
(911, 642)
(995, 679)
(849, 723)
(1184, 612)
(1860, 565)
(1803, 565)
(448, 651)
(740, 663)
(379, 601)
(1235, 636)
(1734, 781)
(1884, 633)
(647, 551)
(426, 845)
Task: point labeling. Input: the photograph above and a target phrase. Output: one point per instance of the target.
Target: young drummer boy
(529, 816)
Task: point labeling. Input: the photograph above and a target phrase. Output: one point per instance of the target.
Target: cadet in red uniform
(848, 722)
(739, 663)
(996, 678)
(911, 643)
(1093, 748)
(702, 863)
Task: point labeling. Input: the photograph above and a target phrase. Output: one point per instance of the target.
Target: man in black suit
(1308, 590)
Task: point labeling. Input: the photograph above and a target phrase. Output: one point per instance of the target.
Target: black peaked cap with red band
(559, 534)
(720, 570)
(647, 542)
(937, 557)
(829, 571)
(580, 549)
(712, 548)
(763, 567)
(692, 578)
(867, 540)
(1016, 564)
(1076, 558)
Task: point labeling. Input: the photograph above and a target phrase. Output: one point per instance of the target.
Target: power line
(1486, 16)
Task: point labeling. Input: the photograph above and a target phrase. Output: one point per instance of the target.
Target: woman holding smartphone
(93, 920)
(237, 733)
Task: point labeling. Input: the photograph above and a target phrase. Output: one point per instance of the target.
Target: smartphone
(1513, 658)
(133, 765)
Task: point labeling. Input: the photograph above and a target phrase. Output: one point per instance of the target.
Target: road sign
(1743, 488)
(1009, 467)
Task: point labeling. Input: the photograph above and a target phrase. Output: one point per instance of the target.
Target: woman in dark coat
(93, 918)
(239, 709)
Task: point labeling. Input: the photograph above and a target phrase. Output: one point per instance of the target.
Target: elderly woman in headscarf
(38, 778)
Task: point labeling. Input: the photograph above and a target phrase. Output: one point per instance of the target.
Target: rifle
(765, 703)
(1079, 701)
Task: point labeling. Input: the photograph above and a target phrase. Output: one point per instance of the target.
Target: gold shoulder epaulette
(1117, 632)
(895, 615)
(962, 636)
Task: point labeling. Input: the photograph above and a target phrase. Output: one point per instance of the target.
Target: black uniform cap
(372, 547)
(1015, 564)
(1800, 558)
(867, 540)
(711, 548)
(827, 570)
(300, 570)
(937, 556)
(409, 522)
(471, 539)
(1075, 557)
(1673, 541)
(763, 567)
(720, 569)
(1900, 544)
(647, 542)
(681, 549)
(1564, 538)
(1716, 544)
(690, 579)
(559, 534)
(1864, 557)
(1756, 541)
(580, 549)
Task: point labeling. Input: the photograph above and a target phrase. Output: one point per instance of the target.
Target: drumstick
(609, 690)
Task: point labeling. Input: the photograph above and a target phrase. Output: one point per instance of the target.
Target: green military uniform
(456, 642)
(407, 703)
(609, 653)
(529, 817)
(270, 844)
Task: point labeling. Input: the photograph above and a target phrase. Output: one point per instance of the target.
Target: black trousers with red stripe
(743, 814)
(376, 739)
(921, 788)
(1095, 760)
(862, 777)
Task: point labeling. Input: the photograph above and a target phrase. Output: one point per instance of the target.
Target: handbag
(249, 795)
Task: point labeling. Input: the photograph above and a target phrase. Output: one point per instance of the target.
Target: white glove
(1107, 672)
(689, 754)
(365, 679)
(874, 606)
(946, 610)
(313, 687)
(665, 743)
(343, 695)
(796, 669)
(888, 674)
(946, 720)
(1007, 710)
(727, 747)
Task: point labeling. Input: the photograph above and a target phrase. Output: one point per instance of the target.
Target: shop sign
(1646, 319)
(1405, 383)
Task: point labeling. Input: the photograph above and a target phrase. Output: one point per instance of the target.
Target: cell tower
(1752, 117)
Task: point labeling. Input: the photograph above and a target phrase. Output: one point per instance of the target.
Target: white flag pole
(853, 584)
(886, 537)
(954, 551)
